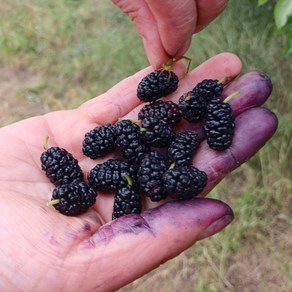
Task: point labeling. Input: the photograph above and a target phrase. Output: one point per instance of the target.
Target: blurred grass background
(57, 54)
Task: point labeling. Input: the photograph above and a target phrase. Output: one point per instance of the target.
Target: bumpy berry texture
(208, 89)
(157, 84)
(219, 125)
(161, 110)
(150, 173)
(127, 200)
(112, 175)
(156, 133)
(73, 199)
(192, 107)
(129, 141)
(185, 182)
(182, 148)
(99, 141)
(60, 166)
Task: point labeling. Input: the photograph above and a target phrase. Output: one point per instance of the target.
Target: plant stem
(229, 97)
(53, 202)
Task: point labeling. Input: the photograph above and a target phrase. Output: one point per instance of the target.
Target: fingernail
(216, 226)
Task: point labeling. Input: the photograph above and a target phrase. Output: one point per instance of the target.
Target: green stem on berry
(168, 66)
(128, 178)
(172, 166)
(136, 121)
(229, 97)
(188, 66)
(143, 129)
(186, 97)
(53, 202)
(132, 120)
(46, 143)
(222, 80)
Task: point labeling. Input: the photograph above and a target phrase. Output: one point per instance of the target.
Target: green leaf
(282, 12)
(288, 43)
(262, 2)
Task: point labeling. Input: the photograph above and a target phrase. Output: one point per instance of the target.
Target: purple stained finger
(254, 128)
(192, 220)
(254, 88)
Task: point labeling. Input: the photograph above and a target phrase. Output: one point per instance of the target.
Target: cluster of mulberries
(72, 196)
(155, 160)
(203, 104)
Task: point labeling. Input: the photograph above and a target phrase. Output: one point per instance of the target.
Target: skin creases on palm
(42, 249)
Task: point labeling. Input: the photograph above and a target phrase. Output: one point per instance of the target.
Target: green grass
(60, 53)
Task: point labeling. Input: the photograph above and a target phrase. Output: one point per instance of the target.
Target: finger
(254, 88)
(145, 23)
(253, 128)
(208, 10)
(223, 65)
(176, 22)
(122, 98)
(141, 243)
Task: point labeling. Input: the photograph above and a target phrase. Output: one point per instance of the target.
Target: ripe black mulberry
(157, 84)
(192, 107)
(60, 166)
(219, 125)
(208, 89)
(161, 110)
(182, 148)
(73, 199)
(112, 174)
(150, 173)
(129, 141)
(99, 141)
(127, 200)
(156, 133)
(185, 182)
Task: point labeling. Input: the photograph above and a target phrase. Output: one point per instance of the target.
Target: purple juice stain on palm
(87, 227)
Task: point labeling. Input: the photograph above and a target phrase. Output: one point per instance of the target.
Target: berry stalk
(53, 202)
(229, 97)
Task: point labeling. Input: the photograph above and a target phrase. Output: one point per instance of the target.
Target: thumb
(129, 247)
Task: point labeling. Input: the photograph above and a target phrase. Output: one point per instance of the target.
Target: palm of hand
(48, 250)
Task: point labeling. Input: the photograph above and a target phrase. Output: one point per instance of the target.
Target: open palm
(42, 249)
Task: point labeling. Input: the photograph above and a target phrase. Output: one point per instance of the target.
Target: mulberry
(73, 199)
(150, 173)
(182, 148)
(127, 200)
(112, 175)
(60, 166)
(192, 107)
(157, 84)
(219, 125)
(129, 141)
(99, 141)
(208, 89)
(161, 110)
(185, 182)
(156, 133)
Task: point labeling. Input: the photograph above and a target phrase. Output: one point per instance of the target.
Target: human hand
(43, 250)
(166, 27)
